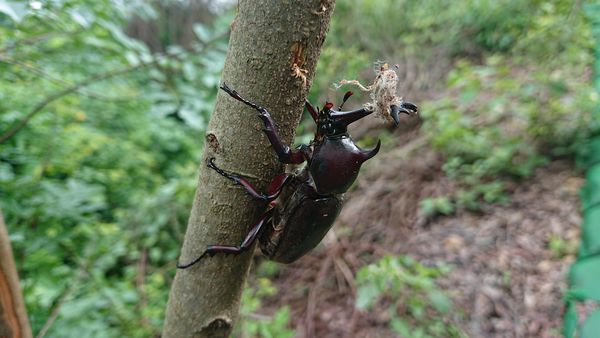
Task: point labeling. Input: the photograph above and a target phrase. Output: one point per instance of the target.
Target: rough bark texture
(268, 37)
(13, 317)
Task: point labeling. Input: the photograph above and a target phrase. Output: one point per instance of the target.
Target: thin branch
(76, 87)
(35, 39)
(41, 72)
(311, 303)
(73, 88)
(55, 311)
(80, 276)
(140, 286)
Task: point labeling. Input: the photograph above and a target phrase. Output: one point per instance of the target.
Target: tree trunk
(13, 317)
(268, 37)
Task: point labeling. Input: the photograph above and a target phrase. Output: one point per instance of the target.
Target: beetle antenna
(346, 97)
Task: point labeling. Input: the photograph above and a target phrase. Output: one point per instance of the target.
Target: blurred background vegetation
(108, 101)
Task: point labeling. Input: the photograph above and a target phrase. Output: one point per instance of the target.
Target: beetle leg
(273, 191)
(410, 106)
(211, 250)
(314, 113)
(284, 152)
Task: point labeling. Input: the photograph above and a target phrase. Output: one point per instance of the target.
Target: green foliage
(510, 115)
(438, 205)
(253, 325)
(461, 27)
(520, 81)
(418, 307)
(505, 120)
(187, 86)
(96, 188)
(562, 247)
(584, 273)
(335, 64)
(424, 36)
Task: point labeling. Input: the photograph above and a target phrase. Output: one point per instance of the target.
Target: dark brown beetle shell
(299, 225)
(335, 164)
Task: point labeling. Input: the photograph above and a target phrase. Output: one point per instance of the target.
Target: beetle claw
(225, 87)
(405, 108)
(394, 110)
(185, 266)
(410, 106)
(210, 162)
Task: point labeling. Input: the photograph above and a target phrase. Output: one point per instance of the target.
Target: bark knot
(217, 327)
(213, 142)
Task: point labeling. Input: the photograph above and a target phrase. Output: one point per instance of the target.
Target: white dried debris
(383, 90)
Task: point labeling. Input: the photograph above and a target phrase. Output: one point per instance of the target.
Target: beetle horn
(367, 154)
(346, 117)
(346, 97)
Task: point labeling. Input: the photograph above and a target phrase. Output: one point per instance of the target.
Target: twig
(339, 261)
(311, 303)
(79, 85)
(39, 71)
(81, 273)
(37, 38)
(56, 311)
(73, 88)
(139, 284)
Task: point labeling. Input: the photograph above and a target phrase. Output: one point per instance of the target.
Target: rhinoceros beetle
(303, 205)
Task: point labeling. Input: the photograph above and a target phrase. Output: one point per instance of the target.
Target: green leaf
(202, 32)
(366, 296)
(440, 301)
(16, 11)
(191, 118)
(401, 327)
(84, 19)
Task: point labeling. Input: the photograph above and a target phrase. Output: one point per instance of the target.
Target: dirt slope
(506, 279)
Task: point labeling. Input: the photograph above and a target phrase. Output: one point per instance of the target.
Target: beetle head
(332, 122)
(326, 124)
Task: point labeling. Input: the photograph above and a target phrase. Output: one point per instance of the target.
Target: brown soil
(505, 281)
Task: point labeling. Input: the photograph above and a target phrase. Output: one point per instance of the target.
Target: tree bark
(268, 38)
(13, 317)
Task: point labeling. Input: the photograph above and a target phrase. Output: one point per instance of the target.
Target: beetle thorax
(329, 127)
(335, 164)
